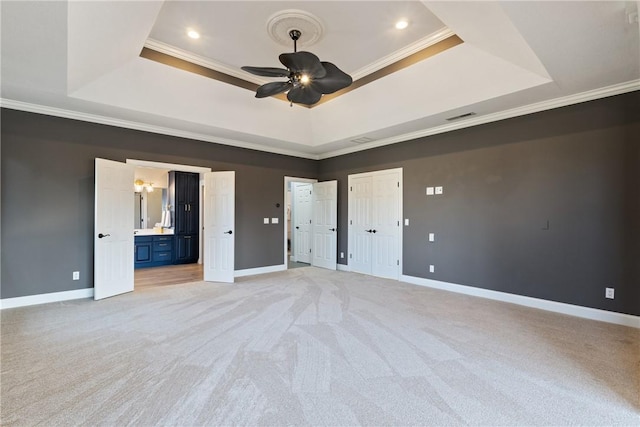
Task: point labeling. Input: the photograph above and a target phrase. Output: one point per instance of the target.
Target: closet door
(374, 223)
(325, 224)
(360, 234)
(385, 225)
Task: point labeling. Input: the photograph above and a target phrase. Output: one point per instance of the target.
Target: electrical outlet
(432, 268)
(76, 275)
(609, 293)
(432, 237)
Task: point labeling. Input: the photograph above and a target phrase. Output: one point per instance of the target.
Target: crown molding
(564, 101)
(591, 95)
(94, 118)
(176, 52)
(405, 52)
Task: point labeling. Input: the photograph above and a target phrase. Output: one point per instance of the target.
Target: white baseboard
(259, 270)
(557, 307)
(343, 267)
(45, 298)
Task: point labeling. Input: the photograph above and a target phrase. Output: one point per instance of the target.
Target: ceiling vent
(461, 116)
(362, 140)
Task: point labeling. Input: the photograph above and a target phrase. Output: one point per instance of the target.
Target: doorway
(311, 223)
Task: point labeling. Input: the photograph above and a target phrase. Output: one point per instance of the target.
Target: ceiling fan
(309, 78)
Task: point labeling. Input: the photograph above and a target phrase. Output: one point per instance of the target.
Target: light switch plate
(609, 293)
(341, 254)
(430, 191)
(439, 190)
(406, 221)
(432, 269)
(266, 220)
(274, 220)
(432, 237)
(76, 275)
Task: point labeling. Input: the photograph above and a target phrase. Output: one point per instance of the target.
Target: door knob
(332, 229)
(373, 231)
(297, 228)
(228, 232)
(100, 236)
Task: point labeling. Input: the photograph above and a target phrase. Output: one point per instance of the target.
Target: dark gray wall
(576, 167)
(48, 191)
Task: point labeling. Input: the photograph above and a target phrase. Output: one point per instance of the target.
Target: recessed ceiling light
(402, 24)
(193, 34)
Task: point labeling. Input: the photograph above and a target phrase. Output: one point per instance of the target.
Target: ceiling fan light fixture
(193, 34)
(308, 77)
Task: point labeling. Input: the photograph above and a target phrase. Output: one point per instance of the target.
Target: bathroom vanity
(154, 249)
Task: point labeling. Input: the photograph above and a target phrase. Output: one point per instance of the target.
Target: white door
(113, 229)
(374, 223)
(219, 226)
(325, 224)
(360, 235)
(385, 225)
(302, 208)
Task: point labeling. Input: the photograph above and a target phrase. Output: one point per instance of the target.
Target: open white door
(113, 229)
(219, 225)
(325, 224)
(302, 208)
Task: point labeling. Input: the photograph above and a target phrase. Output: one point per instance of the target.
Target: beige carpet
(312, 347)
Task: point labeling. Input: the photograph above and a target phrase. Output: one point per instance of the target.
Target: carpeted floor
(312, 347)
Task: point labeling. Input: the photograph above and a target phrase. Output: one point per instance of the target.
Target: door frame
(400, 172)
(287, 181)
(182, 168)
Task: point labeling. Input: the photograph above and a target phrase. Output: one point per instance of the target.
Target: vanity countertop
(152, 232)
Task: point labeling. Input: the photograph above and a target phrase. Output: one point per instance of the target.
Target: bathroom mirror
(147, 207)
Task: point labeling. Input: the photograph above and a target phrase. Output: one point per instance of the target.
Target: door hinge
(398, 262)
(350, 188)
(350, 222)
(350, 256)
(309, 250)
(309, 221)
(398, 184)
(398, 223)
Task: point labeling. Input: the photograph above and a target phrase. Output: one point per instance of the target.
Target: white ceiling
(81, 59)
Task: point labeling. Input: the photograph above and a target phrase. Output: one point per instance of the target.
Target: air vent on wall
(461, 116)
(362, 140)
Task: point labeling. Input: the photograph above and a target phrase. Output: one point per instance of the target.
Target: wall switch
(341, 254)
(609, 293)
(406, 221)
(274, 220)
(430, 191)
(432, 237)
(266, 220)
(432, 268)
(439, 190)
(76, 275)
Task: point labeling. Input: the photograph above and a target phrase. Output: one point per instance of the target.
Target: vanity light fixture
(139, 185)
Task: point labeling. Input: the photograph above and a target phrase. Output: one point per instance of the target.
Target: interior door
(360, 198)
(325, 224)
(385, 225)
(302, 208)
(113, 229)
(219, 226)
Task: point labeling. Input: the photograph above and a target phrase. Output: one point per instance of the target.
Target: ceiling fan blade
(303, 62)
(274, 88)
(304, 95)
(267, 71)
(333, 81)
